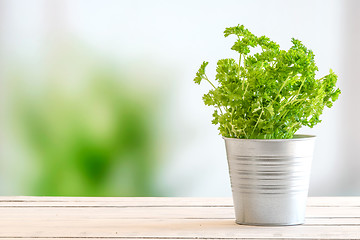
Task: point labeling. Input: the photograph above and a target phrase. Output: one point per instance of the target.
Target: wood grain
(165, 218)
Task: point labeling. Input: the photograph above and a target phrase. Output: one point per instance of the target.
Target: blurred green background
(98, 140)
(89, 135)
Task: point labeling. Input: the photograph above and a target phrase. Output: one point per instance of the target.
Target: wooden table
(164, 218)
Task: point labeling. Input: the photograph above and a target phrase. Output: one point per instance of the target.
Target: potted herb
(261, 100)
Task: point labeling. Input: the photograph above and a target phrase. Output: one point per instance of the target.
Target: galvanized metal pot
(270, 179)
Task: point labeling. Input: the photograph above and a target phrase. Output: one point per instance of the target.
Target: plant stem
(245, 90)
(293, 101)
(207, 79)
(262, 110)
(295, 97)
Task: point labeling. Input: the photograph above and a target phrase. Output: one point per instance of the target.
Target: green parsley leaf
(270, 94)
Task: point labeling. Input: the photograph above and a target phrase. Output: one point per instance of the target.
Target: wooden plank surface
(164, 218)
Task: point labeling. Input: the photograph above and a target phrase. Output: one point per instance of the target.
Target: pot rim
(297, 137)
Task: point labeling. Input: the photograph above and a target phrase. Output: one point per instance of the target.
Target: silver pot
(270, 179)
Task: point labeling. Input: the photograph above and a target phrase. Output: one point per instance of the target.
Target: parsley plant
(270, 94)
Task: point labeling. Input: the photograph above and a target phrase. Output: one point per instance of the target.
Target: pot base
(269, 224)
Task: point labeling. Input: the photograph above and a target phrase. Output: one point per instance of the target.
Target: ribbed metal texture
(270, 179)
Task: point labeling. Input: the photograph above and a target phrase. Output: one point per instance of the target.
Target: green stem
(298, 92)
(240, 61)
(282, 86)
(207, 79)
(295, 97)
(246, 136)
(293, 101)
(245, 90)
(262, 110)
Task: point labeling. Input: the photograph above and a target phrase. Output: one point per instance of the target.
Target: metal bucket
(270, 179)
